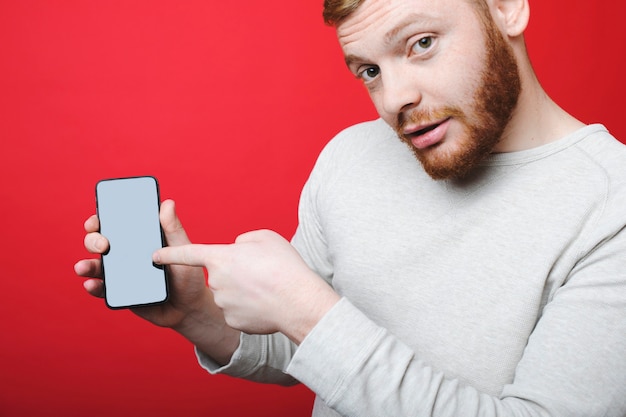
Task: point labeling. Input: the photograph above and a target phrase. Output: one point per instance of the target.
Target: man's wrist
(310, 311)
(210, 334)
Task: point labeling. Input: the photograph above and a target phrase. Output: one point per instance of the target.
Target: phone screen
(128, 210)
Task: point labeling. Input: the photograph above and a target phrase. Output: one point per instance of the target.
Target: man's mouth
(426, 129)
(422, 129)
(425, 135)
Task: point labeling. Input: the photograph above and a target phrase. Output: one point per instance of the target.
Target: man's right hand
(190, 309)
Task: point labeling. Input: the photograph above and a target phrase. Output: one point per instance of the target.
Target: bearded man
(487, 278)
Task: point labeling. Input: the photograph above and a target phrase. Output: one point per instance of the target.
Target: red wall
(228, 107)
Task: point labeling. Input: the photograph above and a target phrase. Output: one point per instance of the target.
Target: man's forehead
(376, 13)
(388, 19)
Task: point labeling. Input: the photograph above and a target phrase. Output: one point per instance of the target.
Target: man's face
(443, 78)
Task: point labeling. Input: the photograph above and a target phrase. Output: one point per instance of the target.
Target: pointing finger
(190, 255)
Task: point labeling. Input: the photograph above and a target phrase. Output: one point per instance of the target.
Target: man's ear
(511, 15)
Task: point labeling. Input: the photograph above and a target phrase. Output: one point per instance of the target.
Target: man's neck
(536, 121)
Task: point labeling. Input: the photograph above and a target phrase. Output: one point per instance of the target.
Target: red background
(228, 104)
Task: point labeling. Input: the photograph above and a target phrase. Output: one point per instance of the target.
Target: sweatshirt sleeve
(572, 366)
(259, 358)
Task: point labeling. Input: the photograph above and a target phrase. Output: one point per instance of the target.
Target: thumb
(175, 234)
(258, 236)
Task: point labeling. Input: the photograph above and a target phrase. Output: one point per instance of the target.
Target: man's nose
(400, 91)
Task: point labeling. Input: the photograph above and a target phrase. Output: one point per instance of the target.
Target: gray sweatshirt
(500, 295)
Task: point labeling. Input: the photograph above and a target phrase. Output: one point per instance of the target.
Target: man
(487, 279)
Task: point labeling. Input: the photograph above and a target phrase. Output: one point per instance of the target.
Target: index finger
(92, 224)
(189, 255)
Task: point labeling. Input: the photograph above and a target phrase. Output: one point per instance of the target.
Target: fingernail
(156, 258)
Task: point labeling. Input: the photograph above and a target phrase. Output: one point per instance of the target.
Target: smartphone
(128, 210)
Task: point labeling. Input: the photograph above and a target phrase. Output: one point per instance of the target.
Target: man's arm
(573, 364)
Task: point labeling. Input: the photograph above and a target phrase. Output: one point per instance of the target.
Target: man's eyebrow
(412, 19)
(352, 59)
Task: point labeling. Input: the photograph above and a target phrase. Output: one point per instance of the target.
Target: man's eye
(369, 73)
(423, 44)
